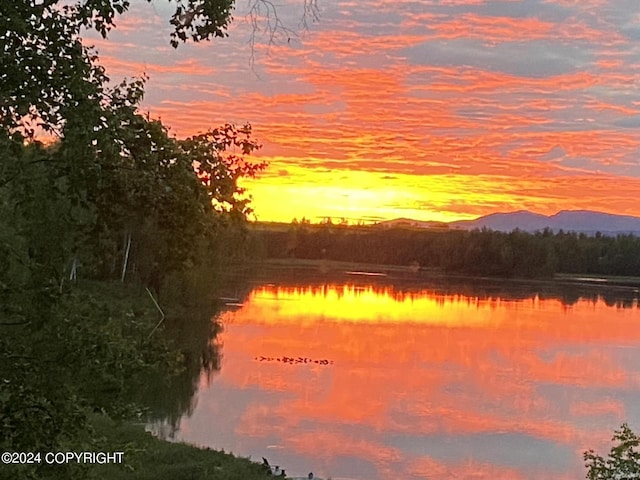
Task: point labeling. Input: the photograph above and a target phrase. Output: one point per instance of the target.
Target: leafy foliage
(114, 197)
(46, 73)
(44, 68)
(80, 357)
(623, 461)
(200, 20)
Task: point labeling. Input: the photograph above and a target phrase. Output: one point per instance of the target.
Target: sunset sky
(432, 109)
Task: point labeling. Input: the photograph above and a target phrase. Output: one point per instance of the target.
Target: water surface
(357, 380)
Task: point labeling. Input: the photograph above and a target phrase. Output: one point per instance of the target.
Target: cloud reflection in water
(421, 384)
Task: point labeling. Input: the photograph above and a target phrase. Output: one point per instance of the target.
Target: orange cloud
(118, 66)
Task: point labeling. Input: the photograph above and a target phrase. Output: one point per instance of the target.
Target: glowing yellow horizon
(287, 191)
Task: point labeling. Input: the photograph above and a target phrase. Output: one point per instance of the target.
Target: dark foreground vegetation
(111, 232)
(153, 459)
(146, 458)
(95, 370)
(477, 252)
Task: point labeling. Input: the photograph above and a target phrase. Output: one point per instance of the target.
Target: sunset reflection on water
(370, 382)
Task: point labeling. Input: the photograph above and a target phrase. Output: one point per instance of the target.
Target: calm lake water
(357, 378)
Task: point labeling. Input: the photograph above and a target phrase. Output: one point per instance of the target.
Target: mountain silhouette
(583, 221)
(586, 221)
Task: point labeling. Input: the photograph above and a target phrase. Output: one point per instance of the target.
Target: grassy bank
(149, 458)
(144, 457)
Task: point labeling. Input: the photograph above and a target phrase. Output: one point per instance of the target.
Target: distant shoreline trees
(478, 252)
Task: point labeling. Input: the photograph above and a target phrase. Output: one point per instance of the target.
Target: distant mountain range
(585, 221)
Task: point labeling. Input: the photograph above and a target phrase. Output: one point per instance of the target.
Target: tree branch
(266, 11)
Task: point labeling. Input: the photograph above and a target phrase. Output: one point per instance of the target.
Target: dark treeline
(476, 252)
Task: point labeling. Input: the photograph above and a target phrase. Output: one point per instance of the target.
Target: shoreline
(407, 272)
